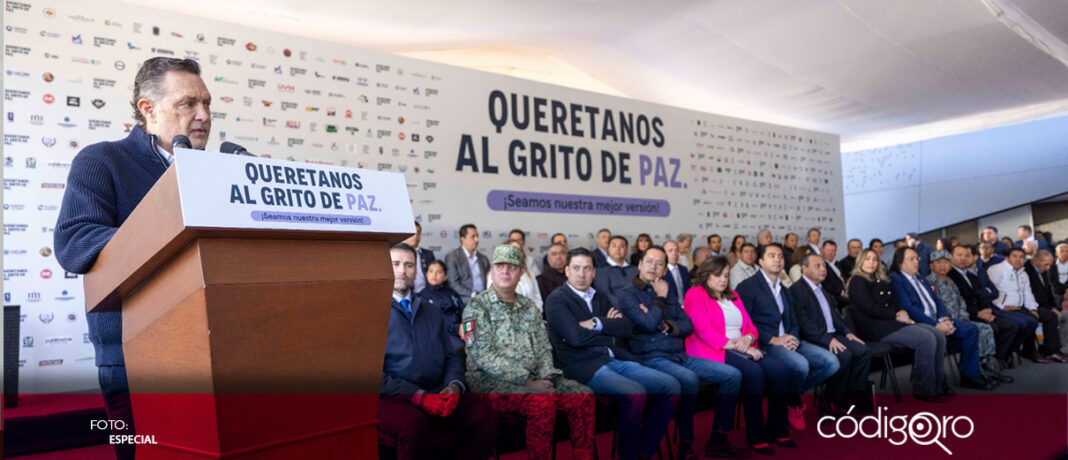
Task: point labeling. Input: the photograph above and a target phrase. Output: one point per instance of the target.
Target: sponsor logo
(27, 342)
(50, 362)
(46, 318)
(48, 98)
(74, 101)
(250, 46)
(65, 296)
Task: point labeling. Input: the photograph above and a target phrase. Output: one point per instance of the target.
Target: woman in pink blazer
(723, 332)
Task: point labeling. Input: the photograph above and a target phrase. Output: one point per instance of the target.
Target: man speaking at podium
(106, 182)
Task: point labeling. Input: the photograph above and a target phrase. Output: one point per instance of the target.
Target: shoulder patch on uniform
(467, 328)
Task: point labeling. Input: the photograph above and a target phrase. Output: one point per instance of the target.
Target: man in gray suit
(467, 267)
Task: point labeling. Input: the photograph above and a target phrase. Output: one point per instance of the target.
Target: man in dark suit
(822, 324)
(812, 239)
(1049, 311)
(582, 327)
(834, 283)
(923, 250)
(677, 276)
(423, 257)
(772, 312)
(600, 253)
(423, 385)
(467, 268)
(917, 297)
(789, 245)
(553, 276)
(617, 272)
(990, 235)
(988, 257)
(978, 296)
(845, 266)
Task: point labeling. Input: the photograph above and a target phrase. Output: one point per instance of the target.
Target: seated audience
(422, 379)
(1058, 272)
(510, 362)
(677, 275)
(947, 292)
(772, 312)
(736, 247)
(1025, 234)
(685, 241)
(1000, 247)
(600, 253)
(715, 246)
(660, 328)
(835, 281)
(812, 240)
(520, 237)
(423, 257)
(745, 267)
(583, 327)
(977, 294)
(699, 256)
(923, 251)
(845, 266)
(527, 286)
(553, 275)
(467, 268)
(795, 266)
(987, 258)
(764, 238)
(915, 295)
(617, 274)
(1049, 310)
(1016, 300)
(640, 245)
(878, 317)
(438, 294)
(789, 245)
(821, 323)
(724, 333)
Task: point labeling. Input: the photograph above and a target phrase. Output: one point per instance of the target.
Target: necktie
(407, 305)
(928, 308)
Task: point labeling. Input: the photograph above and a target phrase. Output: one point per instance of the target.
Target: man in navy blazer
(582, 327)
(1025, 234)
(918, 298)
(677, 276)
(423, 384)
(771, 310)
(978, 295)
(423, 257)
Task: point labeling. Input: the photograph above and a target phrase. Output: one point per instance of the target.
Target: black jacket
(1054, 278)
(846, 265)
(760, 302)
(579, 352)
(976, 294)
(810, 316)
(451, 306)
(1041, 287)
(875, 308)
(650, 340)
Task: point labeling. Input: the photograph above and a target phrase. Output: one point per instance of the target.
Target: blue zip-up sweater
(659, 333)
(419, 356)
(106, 182)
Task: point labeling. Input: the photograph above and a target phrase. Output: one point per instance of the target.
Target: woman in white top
(528, 286)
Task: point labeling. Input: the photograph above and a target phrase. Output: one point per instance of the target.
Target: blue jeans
(116, 392)
(628, 383)
(809, 365)
(688, 374)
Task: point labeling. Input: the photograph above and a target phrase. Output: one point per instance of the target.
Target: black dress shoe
(1058, 358)
(1037, 358)
(1002, 378)
(975, 384)
(787, 443)
(764, 449)
(947, 392)
(724, 450)
(929, 398)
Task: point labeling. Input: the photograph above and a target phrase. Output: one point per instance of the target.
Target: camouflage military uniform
(507, 345)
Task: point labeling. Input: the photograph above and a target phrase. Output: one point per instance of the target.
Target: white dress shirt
(1062, 272)
(677, 276)
(732, 319)
(612, 263)
(776, 289)
(477, 284)
(1014, 287)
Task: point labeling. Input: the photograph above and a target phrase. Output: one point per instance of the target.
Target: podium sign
(255, 300)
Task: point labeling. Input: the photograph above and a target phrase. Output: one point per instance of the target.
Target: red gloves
(438, 404)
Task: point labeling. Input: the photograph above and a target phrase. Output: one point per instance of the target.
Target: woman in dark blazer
(878, 317)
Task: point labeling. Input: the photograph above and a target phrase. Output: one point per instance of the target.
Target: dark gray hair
(149, 80)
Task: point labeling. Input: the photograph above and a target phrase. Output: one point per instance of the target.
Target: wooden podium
(245, 338)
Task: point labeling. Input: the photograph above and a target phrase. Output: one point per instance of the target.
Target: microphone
(181, 140)
(232, 148)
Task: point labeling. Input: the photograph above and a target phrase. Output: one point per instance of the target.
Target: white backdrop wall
(921, 186)
(473, 146)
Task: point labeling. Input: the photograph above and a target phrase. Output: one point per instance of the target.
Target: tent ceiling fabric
(856, 68)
